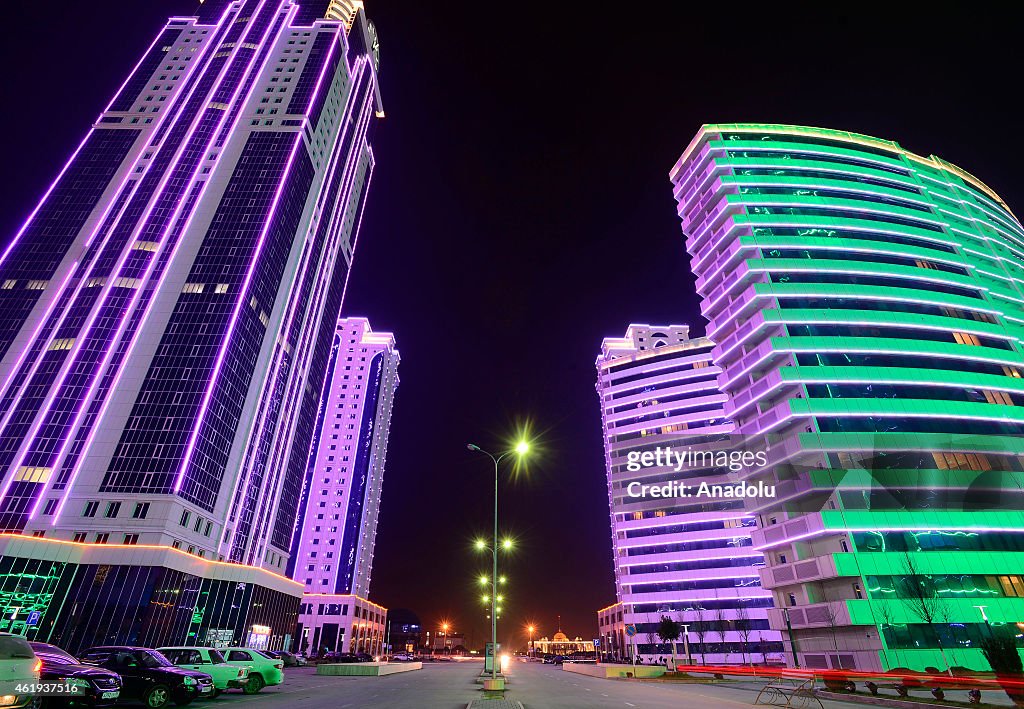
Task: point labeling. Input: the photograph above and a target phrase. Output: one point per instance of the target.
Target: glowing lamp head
(507, 544)
(522, 448)
(485, 599)
(483, 580)
(480, 545)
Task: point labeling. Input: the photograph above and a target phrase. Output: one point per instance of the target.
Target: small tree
(744, 629)
(721, 627)
(885, 615)
(831, 617)
(668, 631)
(921, 600)
(700, 629)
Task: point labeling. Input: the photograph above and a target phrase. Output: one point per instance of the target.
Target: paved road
(540, 686)
(437, 686)
(452, 686)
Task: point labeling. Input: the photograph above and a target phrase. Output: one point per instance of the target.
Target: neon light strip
(219, 363)
(153, 261)
(264, 520)
(20, 538)
(129, 175)
(293, 387)
(270, 379)
(919, 528)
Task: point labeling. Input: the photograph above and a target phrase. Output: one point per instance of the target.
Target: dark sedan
(149, 677)
(93, 686)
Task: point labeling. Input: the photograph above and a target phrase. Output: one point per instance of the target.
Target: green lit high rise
(867, 308)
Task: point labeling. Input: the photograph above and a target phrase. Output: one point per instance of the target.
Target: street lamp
(521, 449)
(531, 629)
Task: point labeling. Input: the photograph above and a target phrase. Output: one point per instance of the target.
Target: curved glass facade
(866, 305)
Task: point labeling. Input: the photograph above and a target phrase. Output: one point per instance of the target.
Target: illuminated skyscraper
(688, 558)
(866, 304)
(333, 546)
(167, 312)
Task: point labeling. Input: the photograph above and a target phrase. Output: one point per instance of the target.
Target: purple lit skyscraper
(333, 547)
(688, 558)
(168, 309)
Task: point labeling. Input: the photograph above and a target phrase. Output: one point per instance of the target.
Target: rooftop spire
(344, 10)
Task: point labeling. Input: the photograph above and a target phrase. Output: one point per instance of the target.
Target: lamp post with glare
(521, 449)
(531, 629)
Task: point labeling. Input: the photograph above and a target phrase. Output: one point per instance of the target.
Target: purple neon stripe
(244, 479)
(138, 64)
(276, 367)
(62, 451)
(46, 196)
(44, 412)
(165, 119)
(355, 157)
(234, 318)
(42, 323)
(239, 499)
(40, 415)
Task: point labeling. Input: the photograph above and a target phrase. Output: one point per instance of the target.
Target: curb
(880, 701)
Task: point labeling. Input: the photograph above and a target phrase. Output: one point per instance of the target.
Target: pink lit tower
(688, 558)
(167, 313)
(333, 547)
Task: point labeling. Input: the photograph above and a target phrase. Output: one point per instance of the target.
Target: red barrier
(910, 679)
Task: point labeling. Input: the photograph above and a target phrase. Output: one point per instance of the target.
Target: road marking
(630, 705)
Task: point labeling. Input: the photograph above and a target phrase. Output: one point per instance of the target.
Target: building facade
(866, 304)
(343, 623)
(168, 308)
(333, 546)
(688, 558)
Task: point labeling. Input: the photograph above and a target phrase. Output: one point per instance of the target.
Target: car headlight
(7, 700)
(189, 681)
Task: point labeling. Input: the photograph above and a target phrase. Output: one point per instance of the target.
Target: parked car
(210, 661)
(284, 656)
(94, 687)
(264, 670)
(149, 677)
(18, 666)
(402, 657)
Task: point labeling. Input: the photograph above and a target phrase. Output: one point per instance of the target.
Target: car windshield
(151, 658)
(215, 657)
(263, 654)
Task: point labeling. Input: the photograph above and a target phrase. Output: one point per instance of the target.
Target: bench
(798, 694)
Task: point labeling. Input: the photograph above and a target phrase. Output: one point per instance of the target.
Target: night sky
(521, 211)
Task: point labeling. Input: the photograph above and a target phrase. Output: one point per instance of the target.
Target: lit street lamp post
(521, 449)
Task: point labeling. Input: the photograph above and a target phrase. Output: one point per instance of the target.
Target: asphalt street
(452, 686)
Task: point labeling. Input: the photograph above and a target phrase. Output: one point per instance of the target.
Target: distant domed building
(560, 644)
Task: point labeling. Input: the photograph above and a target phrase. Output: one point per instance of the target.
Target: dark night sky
(521, 211)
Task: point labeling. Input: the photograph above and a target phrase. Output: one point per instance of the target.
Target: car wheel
(254, 684)
(157, 697)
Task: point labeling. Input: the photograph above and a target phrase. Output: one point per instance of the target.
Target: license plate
(110, 695)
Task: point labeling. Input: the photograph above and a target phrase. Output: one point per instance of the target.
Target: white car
(402, 657)
(19, 670)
